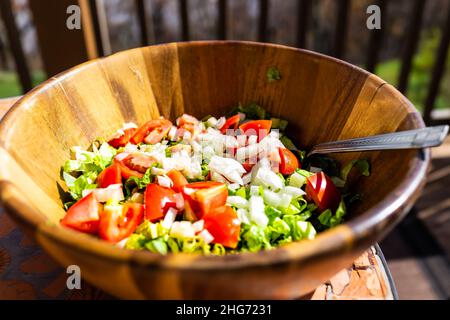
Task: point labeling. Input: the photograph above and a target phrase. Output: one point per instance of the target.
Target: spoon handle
(411, 139)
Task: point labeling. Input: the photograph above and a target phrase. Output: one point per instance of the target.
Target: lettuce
(140, 183)
(241, 192)
(158, 245)
(252, 112)
(81, 172)
(362, 165)
(254, 238)
(136, 242)
(329, 220)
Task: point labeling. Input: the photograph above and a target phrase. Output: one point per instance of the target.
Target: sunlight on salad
(210, 186)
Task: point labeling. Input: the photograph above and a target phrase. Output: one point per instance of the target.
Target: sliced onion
(164, 181)
(112, 192)
(121, 156)
(169, 218)
(220, 122)
(206, 236)
(179, 200)
(122, 243)
(293, 191)
(182, 229)
(212, 122)
(256, 209)
(243, 216)
(198, 226)
(253, 139)
(237, 201)
(129, 125)
(172, 133)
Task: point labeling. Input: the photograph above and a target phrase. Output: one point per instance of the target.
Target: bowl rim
(345, 237)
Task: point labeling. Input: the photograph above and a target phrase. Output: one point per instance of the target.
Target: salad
(212, 186)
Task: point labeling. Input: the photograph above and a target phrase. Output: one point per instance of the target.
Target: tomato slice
(157, 201)
(135, 165)
(116, 225)
(231, 123)
(84, 215)
(223, 224)
(186, 119)
(178, 179)
(248, 166)
(123, 139)
(323, 192)
(289, 161)
(202, 197)
(110, 175)
(260, 128)
(152, 132)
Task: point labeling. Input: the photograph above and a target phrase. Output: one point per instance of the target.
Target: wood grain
(323, 99)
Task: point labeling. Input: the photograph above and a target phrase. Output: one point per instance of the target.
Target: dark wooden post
(412, 39)
(222, 21)
(304, 11)
(60, 47)
(438, 70)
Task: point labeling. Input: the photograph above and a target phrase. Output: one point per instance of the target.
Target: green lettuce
(81, 172)
(362, 165)
(328, 219)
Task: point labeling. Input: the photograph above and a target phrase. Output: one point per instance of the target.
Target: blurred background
(410, 51)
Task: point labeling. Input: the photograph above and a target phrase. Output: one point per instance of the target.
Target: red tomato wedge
(289, 161)
(202, 197)
(110, 175)
(117, 225)
(186, 119)
(231, 123)
(157, 201)
(84, 215)
(261, 128)
(178, 179)
(152, 132)
(223, 224)
(248, 166)
(323, 192)
(134, 165)
(123, 139)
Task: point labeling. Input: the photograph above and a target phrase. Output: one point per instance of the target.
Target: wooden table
(26, 272)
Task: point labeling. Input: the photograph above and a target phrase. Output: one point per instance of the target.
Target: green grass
(420, 76)
(10, 86)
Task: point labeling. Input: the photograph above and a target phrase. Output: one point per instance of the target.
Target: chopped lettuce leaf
(140, 183)
(287, 143)
(252, 112)
(241, 192)
(279, 124)
(327, 219)
(254, 238)
(273, 74)
(136, 242)
(80, 173)
(158, 245)
(362, 165)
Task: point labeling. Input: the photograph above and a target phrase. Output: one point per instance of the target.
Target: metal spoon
(410, 139)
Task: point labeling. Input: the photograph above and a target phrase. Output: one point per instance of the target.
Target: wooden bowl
(323, 99)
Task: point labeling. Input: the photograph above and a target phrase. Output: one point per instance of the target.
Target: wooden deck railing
(338, 48)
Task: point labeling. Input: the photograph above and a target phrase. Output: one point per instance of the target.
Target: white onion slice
(198, 226)
(206, 236)
(169, 218)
